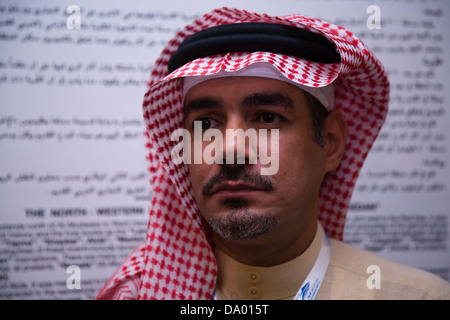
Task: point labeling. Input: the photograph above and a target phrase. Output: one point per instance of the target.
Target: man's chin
(242, 224)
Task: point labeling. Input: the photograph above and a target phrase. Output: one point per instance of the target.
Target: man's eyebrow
(201, 104)
(267, 99)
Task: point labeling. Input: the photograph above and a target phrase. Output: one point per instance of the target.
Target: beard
(240, 223)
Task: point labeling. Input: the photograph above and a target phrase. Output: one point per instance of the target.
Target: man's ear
(335, 134)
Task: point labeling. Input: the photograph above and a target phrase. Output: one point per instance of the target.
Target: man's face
(238, 202)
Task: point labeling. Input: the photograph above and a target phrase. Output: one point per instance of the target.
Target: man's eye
(206, 123)
(269, 117)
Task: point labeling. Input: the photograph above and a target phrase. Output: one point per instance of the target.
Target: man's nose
(239, 142)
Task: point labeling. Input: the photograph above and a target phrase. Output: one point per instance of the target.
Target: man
(239, 227)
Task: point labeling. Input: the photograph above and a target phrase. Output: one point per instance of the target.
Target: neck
(271, 249)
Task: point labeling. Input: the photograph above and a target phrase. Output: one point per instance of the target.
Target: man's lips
(236, 188)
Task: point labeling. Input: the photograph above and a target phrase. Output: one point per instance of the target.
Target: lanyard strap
(312, 283)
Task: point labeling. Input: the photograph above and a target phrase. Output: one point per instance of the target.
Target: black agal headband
(251, 37)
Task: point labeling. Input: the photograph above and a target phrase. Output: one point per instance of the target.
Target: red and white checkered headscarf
(176, 260)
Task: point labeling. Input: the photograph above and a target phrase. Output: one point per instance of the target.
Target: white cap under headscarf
(265, 70)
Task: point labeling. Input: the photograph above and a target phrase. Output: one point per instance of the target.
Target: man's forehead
(232, 86)
(259, 98)
(245, 91)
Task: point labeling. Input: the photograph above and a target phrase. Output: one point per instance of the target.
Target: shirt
(347, 277)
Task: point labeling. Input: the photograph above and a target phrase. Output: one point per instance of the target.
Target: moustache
(236, 173)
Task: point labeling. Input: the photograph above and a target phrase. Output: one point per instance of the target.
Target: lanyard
(312, 283)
